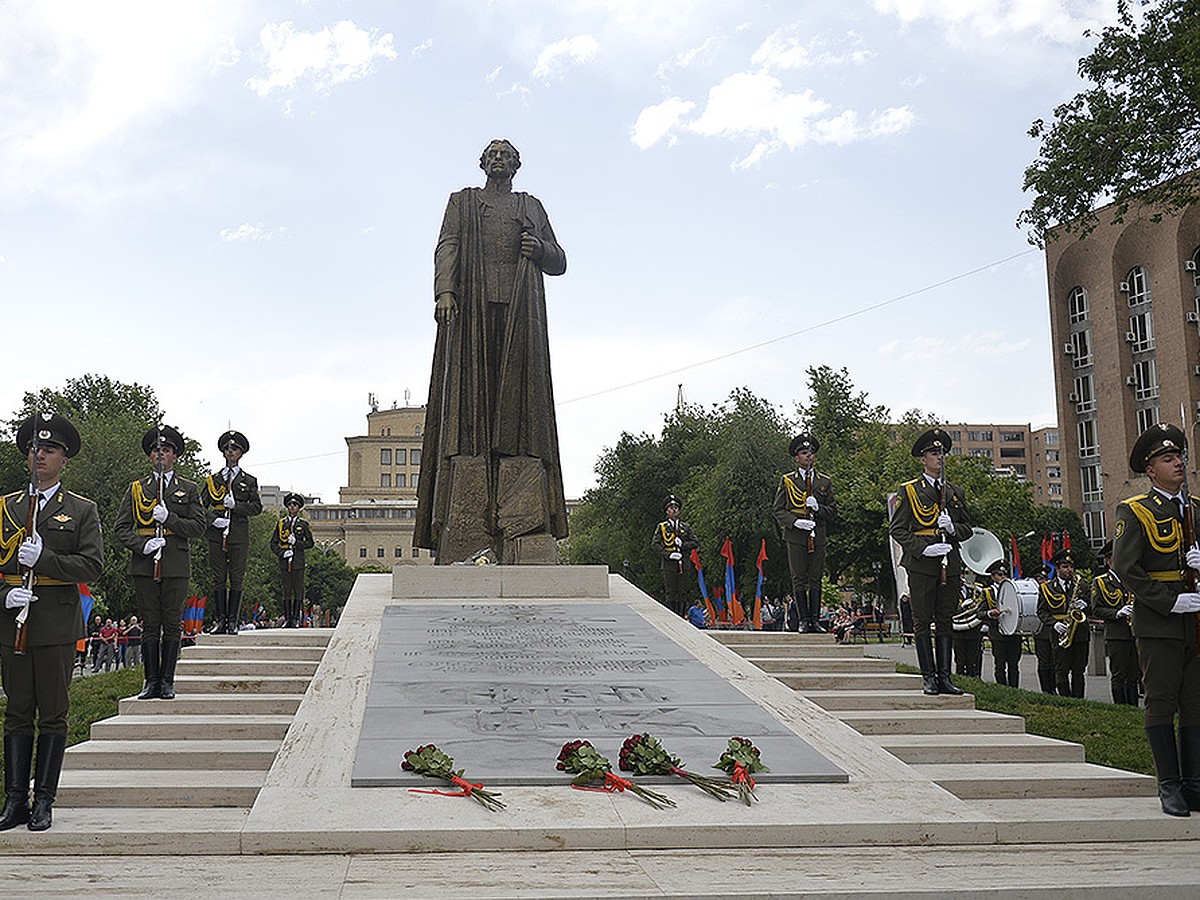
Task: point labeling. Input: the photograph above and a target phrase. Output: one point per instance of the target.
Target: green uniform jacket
(248, 503)
(916, 529)
(279, 540)
(790, 505)
(663, 540)
(1107, 596)
(72, 551)
(185, 519)
(1148, 558)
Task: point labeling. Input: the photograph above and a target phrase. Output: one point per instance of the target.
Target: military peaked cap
(51, 428)
(1156, 440)
(170, 436)
(933, 439)
(236, 438)
(803, 442)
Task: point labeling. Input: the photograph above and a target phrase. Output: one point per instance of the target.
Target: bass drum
(1017, 602)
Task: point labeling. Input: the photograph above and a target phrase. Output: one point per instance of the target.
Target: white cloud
(252, 233)
(326, 57)
(494, 74)
(556, 58)
(990, 345)
(1056, 20)
(656, 122)
(686, 58)
(420, 49)
(790, 48)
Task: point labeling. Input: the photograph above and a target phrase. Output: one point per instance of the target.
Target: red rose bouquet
(431, 762)
(741, 759)
(594, 772)
(642, 754)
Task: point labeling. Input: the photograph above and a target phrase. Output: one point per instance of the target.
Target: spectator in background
(133, 637)
(697, 616)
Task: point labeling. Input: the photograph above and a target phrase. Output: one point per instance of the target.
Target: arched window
(1077, 305)
(1137, 286)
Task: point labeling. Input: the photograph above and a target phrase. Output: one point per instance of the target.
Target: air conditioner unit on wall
(1123, 287)
(1193, 317)
(1069, 349)
(1196, 370)
(1130, 337)
(1072, 398)
(1189, 266)
(1131, 380)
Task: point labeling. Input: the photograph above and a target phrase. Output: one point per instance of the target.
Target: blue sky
(237, 202)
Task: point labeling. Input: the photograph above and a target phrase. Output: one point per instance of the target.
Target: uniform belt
(925, 532)
(151, 532)
(16, 581)
(1173, 575)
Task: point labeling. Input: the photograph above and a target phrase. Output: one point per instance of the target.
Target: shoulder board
(1131, 500)
(81, 497)
(913, 482)
(15, 495)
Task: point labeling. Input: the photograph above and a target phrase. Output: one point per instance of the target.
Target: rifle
(226, 510)
(808, 485)
(158, 526)
(1189, 524)
(941, 509)
(28, 580)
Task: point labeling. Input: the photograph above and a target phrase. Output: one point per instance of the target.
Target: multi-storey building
(1123, 323)
(1019, 451)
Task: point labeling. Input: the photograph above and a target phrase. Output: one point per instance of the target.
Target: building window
(1012, 452)
(1077, 305)
(1088, 444)
(413, 481)
(1081, 342)
(1084, 396)
(1093, 524)
(1053, 472)
(1145, 381)
(1051, 456)
(416, 553)
(401, 456)
(1196, 269)
(1052, 438)
(417, 431)
(1141, 332)
(385, 480)
(362, 552)
(1138, 283)
(979, 436)
(379, 552)
(415, 457)
(955, 436)
(399, 552)
(1089, 479)
(1019, 469)
(1011, 437)
(1056, 490)
(980, 451)
(385, 457)
(1146, 417)
(400, 479)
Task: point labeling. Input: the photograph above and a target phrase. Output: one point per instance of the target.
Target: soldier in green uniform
(1062, 602)
(230, 498)
(804, 508)
(1111, 602)
(930, 521)
(156, 532)
(67, 549)
(1044, 639)
(673, 540)
(1151, 559)
(1006, 648)
(289, 539)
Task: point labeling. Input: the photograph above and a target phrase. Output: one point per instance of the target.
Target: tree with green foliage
(1133, 137)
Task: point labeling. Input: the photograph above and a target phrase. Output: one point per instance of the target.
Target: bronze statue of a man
(490, 472)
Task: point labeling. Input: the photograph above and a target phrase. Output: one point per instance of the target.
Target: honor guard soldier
(1155, 563)
(230, 497)
(804, 508)
(1006, 648)
(43, 562)
(290, 538)
(158, 517)
(930, 522)
(1114, 604)
(673, 541)
(1062, 608)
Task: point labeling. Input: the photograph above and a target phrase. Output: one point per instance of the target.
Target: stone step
(980, 748)
(270, 637)
(257, 651)
(823, 650)
(1006, 781)
(850, 681)
(931, 721)
(158, 788)
(232, 684)
(99, 831)
(172, 754)
(193, 728)
(808, 664)
(1070, 820)
(213, 704)
(835, 701)
(236, 668)
(731, 637)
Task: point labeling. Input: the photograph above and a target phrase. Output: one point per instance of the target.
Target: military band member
(674, 540)
(1114, 604)
(968, 635)
(1006, 648)
(1150, 558)
(289, 539)
(1044, 639)
(150, 529)
(804, 508)
(230, 497)
(66, 550)
(1062, 602)
(930, 531)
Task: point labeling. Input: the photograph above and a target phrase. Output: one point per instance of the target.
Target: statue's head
(500, 156)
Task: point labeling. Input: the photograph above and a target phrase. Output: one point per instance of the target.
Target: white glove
(222, 523)
(676, 555)
(18, 597)
(812, 503)
(153, 544)
(160, 513)
(1060, 627)
(291, 539)
(230, 502)
(1186, 603)
(1125, 611)
(945, 523)
(1079, 603)
(1193, 558)
(805, 524)
(287, 554)
(30, 551)
(940, 549)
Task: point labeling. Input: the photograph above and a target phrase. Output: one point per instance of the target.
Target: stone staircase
(1040, 788)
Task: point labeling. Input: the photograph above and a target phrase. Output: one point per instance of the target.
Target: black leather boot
(942, 651)
(1189, 764)
(150, 661)
(50, 748)
(925, 662)
(170, 655)
(218, 612)
(234, 612)
(18, 758)
(1166, 764)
